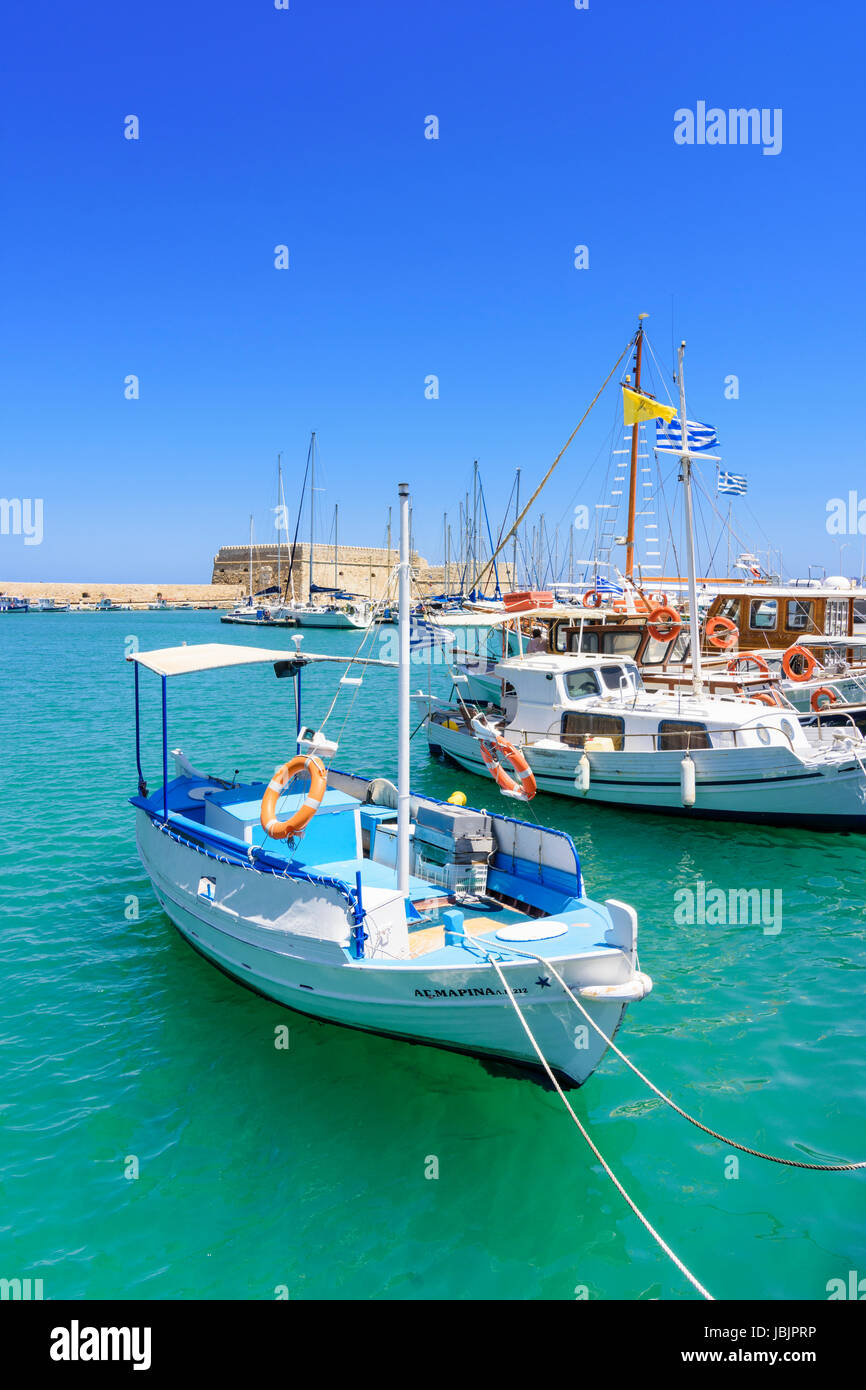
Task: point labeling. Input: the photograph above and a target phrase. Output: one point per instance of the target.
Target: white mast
(251, 560)
(279, 526)
(403, 700)
(686, 465)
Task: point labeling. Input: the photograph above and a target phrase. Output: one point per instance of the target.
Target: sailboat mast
(403, 700)
(336, 522)
(686, 475)
(516, 519)
(251, 558)
(312, 503)
(632, 479)
(279, 523)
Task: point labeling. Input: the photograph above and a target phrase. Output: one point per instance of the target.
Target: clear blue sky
(411, 257)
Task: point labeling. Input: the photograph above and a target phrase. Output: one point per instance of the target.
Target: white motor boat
(360, 903)
(588, 728)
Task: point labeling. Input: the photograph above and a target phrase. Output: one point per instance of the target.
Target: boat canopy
(207, 656)
(215, 656)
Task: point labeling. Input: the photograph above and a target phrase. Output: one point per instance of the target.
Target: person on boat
(536, 642)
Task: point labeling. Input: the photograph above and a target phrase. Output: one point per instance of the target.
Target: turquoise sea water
(261, 1168)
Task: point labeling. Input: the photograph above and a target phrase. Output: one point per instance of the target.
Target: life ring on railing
(763, 697)
(524, 788)
(748, 659)
(592, 599)
(664, 623)
(817, 696)
(810, 660)
(282, 829)
(722, 644)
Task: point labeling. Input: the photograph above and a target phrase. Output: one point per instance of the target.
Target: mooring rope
(714, 1134)
(605, 1165)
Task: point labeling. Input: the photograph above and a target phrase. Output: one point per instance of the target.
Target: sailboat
(585, 725)
(359, 902)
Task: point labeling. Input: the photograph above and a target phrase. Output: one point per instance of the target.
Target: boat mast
(279, 522)
(403, 700)
(686, 478)
(336, 522)
(632, 481)
(251, 560)
(516, 520)
(312, 501)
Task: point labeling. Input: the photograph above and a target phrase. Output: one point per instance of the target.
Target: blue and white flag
(733, 483)
(699, 438)
(606, 586)
(423, 636)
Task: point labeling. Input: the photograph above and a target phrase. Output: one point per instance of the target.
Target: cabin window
(579, 683)
(655, 652)
(616, 677)
(798, 615)
(589, 643)
(577, 728)
(620, 643)
(836, 618)
(762, 614)
(730, 609)
(676, 735)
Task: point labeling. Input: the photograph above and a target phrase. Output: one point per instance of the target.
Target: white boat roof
(497, 619)
(215, 656)
(555, 664)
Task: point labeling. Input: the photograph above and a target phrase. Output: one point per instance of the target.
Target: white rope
(610, 1173)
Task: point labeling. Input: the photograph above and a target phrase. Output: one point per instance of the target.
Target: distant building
(360, 569)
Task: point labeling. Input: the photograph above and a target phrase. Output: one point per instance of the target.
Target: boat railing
(683, 739)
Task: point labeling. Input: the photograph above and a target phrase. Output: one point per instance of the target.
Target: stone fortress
(360, 569)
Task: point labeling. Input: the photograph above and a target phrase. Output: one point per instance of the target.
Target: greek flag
(423, 636)
(699, 438)
(605, 586)
(733, 483)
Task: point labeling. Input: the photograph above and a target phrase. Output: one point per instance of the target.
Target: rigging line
(297, 524)
(598, 1154)
(547, 475)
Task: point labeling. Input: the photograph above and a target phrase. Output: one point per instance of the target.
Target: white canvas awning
(215, 656)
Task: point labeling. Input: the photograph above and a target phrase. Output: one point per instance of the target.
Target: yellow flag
(637, 408)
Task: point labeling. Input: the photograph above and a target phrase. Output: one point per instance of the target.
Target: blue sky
(411, 257)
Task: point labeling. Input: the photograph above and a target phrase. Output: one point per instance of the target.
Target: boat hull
(464, 1008)
(770, 785)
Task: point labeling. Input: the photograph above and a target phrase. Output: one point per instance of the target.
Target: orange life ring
(817, 696)
(810, 660)
(660, 600)
(592, 599)
(282, 829)
(525, 787)
(722, 644)
(748, 659)
(764, 697)
(664, 624)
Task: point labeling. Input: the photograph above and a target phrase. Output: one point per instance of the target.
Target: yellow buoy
(457, 799)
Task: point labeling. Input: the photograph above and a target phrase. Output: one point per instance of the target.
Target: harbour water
(311, 1170)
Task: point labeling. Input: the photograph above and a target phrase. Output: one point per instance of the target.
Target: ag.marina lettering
(474, 993)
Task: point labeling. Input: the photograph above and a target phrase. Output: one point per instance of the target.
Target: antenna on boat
(403, 699)
(635, 431)
(686, 477)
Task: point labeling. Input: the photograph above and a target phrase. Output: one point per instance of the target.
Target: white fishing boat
(361, 903)
(50, 605)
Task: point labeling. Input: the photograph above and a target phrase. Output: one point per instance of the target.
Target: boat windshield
(621, 677)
